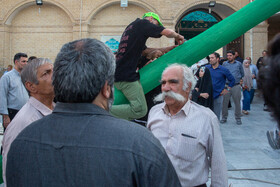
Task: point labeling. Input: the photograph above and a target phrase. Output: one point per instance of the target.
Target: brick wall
(24, 29)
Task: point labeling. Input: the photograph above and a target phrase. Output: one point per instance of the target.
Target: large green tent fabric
(207, 42)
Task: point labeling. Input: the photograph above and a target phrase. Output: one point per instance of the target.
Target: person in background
(9, 68)
(236, 69)
(203, 91)
(247, 84)
(237, 57)
(219, 75)
(31, 58)
(261, 61)
(254, 71)
(13, 94)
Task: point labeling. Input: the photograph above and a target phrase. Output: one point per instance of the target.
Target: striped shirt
(193, 142)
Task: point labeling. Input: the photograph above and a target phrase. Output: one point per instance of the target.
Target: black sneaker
(223, 121)
(265, 108)
(238, 122)
(273, 139)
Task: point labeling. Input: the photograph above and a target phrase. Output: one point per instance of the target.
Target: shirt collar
(43, 109)
(215, 68)
(232, 63)
(16, 72)
(184, 110)
(79, 108)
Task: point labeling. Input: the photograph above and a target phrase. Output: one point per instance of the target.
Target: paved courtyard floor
(251, 161)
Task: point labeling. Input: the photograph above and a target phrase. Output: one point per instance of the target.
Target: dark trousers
(202, 185)
(12, 114)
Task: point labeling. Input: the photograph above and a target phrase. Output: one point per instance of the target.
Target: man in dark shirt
(80, 143)
(261, 61)
(131, 47)
(219, 75)
(238, 58)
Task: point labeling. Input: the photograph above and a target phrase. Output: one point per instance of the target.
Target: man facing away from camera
(80, 143)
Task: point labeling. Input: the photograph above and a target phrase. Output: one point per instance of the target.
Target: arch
(113, 2)
(221, 10)
(230, 8)
(14, 11)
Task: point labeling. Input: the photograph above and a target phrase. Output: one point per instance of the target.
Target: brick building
(42, 30)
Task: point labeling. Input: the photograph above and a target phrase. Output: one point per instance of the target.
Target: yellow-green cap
(154, 15)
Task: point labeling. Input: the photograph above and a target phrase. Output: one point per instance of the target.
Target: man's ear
(106, 90)
(31, 87)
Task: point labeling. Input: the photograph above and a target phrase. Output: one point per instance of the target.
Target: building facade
(42, 30)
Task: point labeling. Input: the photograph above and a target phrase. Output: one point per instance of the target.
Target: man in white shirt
(189, 132)
(37, 79)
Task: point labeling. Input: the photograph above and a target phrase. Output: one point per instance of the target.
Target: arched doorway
(198, 20)
(195, 22)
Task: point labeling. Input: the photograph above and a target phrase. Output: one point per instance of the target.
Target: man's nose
(166, 87)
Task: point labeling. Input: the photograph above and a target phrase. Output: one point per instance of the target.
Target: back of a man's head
(81, 69)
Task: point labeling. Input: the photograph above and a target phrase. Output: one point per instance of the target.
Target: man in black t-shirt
(131, 47)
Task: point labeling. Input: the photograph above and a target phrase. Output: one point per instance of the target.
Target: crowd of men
(81, 139)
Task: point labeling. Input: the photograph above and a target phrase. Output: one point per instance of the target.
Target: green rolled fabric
(206, 43)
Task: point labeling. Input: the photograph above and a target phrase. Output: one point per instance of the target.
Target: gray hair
(187, 75)
(29, 72)
(81, 69)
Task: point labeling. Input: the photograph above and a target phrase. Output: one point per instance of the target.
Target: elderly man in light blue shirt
(12, 92)
(236, 69)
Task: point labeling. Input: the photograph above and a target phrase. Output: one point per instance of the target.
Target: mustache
(176, 96)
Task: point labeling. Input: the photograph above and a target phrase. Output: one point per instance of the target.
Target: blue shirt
(13, 94)
(236, 69)
(219, 77)
(254, 71)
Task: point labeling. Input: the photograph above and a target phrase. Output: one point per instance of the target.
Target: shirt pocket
(188, 147)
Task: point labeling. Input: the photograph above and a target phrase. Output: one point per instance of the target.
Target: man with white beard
(189, 132)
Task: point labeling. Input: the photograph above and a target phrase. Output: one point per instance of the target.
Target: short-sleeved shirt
(132, 44)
